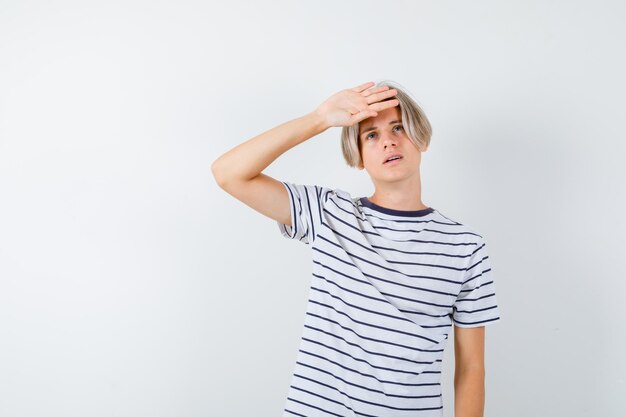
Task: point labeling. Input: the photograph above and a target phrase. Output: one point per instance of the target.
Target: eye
(400, 126)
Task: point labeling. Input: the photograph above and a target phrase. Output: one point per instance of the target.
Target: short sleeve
(306, 204)
(476, 304)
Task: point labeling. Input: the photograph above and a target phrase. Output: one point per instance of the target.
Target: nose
(388, 140)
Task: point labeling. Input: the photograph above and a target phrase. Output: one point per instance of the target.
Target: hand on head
(350, 106)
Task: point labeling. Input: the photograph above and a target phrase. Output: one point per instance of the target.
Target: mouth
(393, 159)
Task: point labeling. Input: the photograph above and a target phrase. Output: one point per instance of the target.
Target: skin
(469, 371)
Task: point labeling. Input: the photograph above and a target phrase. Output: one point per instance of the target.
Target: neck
(401, 195)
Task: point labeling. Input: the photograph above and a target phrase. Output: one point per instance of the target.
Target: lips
(391, 156)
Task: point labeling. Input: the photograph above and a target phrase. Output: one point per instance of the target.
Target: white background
(132, 285)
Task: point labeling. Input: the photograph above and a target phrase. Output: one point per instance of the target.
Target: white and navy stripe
(387, 287)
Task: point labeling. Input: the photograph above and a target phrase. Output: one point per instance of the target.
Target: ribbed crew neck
(407, 213)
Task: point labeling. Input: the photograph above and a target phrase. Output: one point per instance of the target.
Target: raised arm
(239, 171)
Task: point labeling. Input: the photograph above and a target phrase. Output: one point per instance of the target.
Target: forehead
(383, 119)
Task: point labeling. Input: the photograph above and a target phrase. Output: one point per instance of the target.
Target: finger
(362, 87)
(379, 89)
(356, 118)
(382, 105)
(382, 95)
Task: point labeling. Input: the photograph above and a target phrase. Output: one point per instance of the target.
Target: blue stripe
(359, 413)
(361, 386)
(312, 406)
(372, 339)
(382, 381)
(380, 300)
(370, 324)
(294, 219)
(476, 299)
(311, 222)
(476, 276)
(293, 412)
(378, 313)
(368, 402)
(475, 288)
(377, 278)
(402, 371)
(390, 261)
(469, 323)
(412, 300)
(352, 255)
(477, 310)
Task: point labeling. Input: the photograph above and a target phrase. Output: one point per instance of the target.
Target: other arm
(469, 371)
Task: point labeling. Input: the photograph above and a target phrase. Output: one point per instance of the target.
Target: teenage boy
(391, 275)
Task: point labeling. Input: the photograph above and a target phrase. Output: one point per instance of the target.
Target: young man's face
(387, 139)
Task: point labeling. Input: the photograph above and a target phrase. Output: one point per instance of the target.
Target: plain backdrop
(131, 285)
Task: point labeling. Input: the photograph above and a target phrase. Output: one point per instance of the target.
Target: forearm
(250, 158)
(469, 392)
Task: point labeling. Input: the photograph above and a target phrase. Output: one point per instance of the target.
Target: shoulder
(457, 226)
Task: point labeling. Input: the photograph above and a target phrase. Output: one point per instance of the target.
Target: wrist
(318, 120)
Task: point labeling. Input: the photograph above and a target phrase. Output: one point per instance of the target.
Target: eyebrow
(374, 127)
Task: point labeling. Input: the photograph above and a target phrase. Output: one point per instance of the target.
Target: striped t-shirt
(386, 288)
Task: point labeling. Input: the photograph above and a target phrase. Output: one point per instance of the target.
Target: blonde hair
(414, 122)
